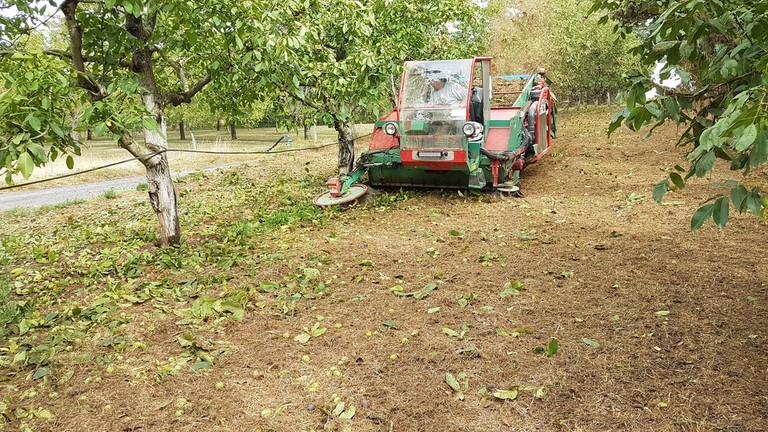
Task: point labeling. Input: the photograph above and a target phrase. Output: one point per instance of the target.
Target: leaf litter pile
(582, 306)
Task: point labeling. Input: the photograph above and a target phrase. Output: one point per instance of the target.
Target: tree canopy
(719, 49)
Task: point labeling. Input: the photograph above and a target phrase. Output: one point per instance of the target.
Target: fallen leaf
(505, 394)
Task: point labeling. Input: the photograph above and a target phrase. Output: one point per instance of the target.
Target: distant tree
(719, 49)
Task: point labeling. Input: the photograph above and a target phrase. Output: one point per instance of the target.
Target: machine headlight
(472, 128)
(390, 128)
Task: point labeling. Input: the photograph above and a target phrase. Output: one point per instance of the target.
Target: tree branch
(65, 55)
(179, 98)
(84, 79)
(704, 90)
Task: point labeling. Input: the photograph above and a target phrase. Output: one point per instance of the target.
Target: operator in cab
(443, 91)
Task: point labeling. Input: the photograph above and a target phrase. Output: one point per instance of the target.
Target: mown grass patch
(81, 282)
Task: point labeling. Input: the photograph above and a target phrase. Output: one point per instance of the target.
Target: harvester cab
(455, 126)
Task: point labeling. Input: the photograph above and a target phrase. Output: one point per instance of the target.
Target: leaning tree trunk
(182, 131)
(162, 193)
(346, 146)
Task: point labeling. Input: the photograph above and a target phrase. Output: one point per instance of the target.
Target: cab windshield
(436, 83)
(433, 107)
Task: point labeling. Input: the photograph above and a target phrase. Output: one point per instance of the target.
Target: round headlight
(468, 129)
(390, 129)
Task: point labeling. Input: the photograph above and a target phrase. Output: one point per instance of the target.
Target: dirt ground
(658, 328)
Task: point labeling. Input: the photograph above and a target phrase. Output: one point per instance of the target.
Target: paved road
(42, 197)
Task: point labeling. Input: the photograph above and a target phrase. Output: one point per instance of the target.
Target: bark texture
(346, 146)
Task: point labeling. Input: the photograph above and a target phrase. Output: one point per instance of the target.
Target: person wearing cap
(443, 91)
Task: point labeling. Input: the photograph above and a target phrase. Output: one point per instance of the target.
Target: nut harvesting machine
(455, 126)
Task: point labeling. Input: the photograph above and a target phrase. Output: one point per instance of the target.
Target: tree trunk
(233, 130)
(162, 193)
(218, 125)
(182, 132)
(314, 130)
(306, 131)
(89, 135)
(346, 146)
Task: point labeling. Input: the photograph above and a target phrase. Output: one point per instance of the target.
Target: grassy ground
(584, 306)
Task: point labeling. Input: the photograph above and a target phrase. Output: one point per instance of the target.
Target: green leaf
(660, 190)
(34, 122)
(747, 137)
(709, 139)
(148, 123)
(759, 150)
(43, 413)
(201, 365)
(338, 409)
(25, 165)
(705, 164)
(70, 162)
(452, 382)
(754, 203)
(677, 179)
(510, 394)
(552, 348)
(590, 342)
(720, 212)
(739, 198)
(450, 332)
(511, 288)
(672, 107)
(58, 131)
(348, 413)
(702, 214)
(42, 372)
(390, 324)
(37, 151)
(302, 338)
(420, 294)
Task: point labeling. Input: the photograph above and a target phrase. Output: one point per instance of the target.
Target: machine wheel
(354, 192)
(508, 192)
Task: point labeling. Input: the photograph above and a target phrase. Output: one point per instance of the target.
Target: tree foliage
(582, 56)
(36, 103)
(719, 49)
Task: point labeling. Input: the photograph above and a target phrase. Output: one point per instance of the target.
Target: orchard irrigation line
(150, 155)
